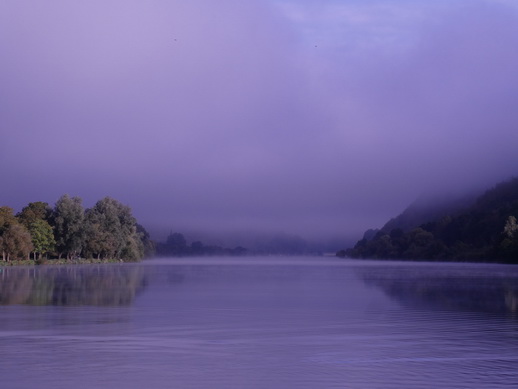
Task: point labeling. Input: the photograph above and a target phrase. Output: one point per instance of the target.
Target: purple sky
(320, 118)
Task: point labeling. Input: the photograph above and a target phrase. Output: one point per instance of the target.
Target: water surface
(260, 322)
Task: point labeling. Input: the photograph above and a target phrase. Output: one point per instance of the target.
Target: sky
(318, 118)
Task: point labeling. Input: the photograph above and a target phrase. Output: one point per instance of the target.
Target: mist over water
(261, 322)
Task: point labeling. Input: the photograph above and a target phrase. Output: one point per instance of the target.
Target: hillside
(484, 231)
(427, 208)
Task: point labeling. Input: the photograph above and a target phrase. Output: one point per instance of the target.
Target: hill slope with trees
(487, 231)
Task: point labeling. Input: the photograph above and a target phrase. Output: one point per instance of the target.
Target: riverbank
(81, 261)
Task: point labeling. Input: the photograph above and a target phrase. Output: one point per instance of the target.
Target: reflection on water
(260, 323)
(101, 285)
(478, 288)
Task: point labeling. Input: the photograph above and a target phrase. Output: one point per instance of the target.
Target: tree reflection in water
(96, 285)
(477, 289)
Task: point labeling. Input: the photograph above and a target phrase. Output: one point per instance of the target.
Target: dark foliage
(485, 231)
(106, 231)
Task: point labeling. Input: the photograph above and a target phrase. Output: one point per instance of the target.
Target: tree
(133, 250)
(508, 246)
(38, 210)
(147, 243)
(197, 248)
(42, 237)
(423, 245)
(6, 220)
(35, 217)
(510, 227)
(176, 244)
(112, 231)
(96, 240)
(68, 218)
(16, 242)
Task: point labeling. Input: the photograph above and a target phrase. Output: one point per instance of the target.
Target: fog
(320, 119)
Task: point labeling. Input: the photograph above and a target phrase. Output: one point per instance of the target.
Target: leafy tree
(176, 240)
(6, 220)
(16, 242)
(68, 218)
(97, 241)
(42, 237)
(423, 245)
(34, 211)
(175, 245)
(35, 217)
(148, 245)
(510, 227)
(133, 250)
(508, 247)
(112, 231)
(197, 248)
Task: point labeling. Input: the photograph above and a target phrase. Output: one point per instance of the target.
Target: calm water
(260, 323)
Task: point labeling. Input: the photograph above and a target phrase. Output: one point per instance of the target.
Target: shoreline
(50, 262)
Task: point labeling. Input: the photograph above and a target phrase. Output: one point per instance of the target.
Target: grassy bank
(80, 261)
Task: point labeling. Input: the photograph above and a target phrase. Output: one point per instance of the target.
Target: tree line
(108, 230)
(486, 231)
(176, 246)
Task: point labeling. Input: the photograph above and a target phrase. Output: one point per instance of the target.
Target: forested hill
(484, 231)
(429, 208)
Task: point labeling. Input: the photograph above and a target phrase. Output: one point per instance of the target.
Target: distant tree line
(107, 230)
(176, 246)
(486, 231)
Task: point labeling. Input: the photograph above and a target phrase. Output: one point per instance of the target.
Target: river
(272, 322)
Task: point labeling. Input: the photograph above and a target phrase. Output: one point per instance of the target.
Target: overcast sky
(314, 117)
